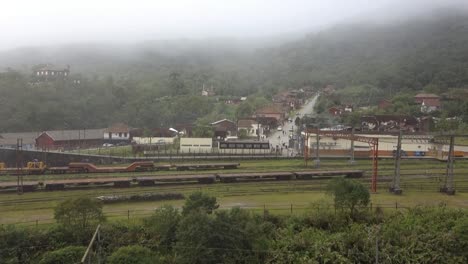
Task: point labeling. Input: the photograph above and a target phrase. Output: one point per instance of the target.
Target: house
(389, 123)
(50, 72)
(251, 126)
(348, 108)
(289, 99)
(117, 132)
(208, 91)
(232, 101)
(384, 104)
(224, 128)
(273, 111)
(328, 90)
(70, 139)
(334, 111)
(26, 139)
(430, 105)
(428, 102)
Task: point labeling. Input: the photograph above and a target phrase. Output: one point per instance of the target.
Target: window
(232, 146)
(120, 134)
(125, 134)
(223, 145)
(240, 146)
(248, 146)
(256, 146)
(265, 146)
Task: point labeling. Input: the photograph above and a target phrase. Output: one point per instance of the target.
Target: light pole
(178, 134)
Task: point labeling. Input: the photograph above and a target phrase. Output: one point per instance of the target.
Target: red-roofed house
(429, 102)
(385, 103)
(273, 111)
(334, 111)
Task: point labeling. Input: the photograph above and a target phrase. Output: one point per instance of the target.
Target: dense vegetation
(154, 85)
(202, 233)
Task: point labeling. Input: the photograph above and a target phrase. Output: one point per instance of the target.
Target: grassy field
(275, 196)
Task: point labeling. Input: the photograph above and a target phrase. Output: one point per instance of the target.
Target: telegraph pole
(395, 188)
(449, 188)
(317, 150)
(351, 158)
(19, 165)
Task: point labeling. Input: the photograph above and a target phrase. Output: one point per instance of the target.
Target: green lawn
(273, 196)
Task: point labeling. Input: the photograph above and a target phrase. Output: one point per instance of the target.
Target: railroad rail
(125, 182)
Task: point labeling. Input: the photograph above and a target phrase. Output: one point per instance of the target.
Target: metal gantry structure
(372, 141)
(442, 139)
(19, 165)
(395, 187)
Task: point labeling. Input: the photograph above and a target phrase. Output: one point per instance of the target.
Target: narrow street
(280, 138)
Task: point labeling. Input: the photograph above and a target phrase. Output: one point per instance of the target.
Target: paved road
(278, 138)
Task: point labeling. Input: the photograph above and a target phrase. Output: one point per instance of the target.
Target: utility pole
(351, 158)
(317, 150)
(395, 188)
(19, 165)
(449, 188)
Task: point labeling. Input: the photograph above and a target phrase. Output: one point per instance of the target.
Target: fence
(282, 209)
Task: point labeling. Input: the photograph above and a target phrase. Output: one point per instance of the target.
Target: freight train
(37, 167)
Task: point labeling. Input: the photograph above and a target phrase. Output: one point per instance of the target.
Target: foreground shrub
(132, 255)
(71, 254)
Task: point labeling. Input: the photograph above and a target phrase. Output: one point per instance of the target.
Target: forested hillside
(409, 55)
(159, 83)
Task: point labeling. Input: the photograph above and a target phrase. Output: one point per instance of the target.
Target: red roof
(426, 95)
(245, 123)
(271, 109)
(431, 102)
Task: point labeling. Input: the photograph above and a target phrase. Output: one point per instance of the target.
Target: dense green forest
(201, 233)
(159, 84)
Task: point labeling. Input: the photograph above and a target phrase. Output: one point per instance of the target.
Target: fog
(56, 22)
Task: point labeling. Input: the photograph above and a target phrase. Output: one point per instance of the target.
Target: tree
(243, 133)
(70, 254)
(245, 109)
(132, 255)
(79, 213)
(199, 201)
(203, 131)
(298, 121)
(348, 194)
(163, 224)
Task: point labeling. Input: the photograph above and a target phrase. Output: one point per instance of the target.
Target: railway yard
(250, 184)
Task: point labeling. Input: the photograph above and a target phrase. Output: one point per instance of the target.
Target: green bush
(71, 254)
(132, 255)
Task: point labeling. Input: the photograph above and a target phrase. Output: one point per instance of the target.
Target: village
(277, 128)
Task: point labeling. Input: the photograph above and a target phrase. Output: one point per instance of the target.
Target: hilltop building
(49, 72)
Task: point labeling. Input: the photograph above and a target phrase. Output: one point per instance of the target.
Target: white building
(196, 145)
(117, 132)
(252, 127)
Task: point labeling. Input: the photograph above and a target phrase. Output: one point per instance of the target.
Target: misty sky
(51, 22)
